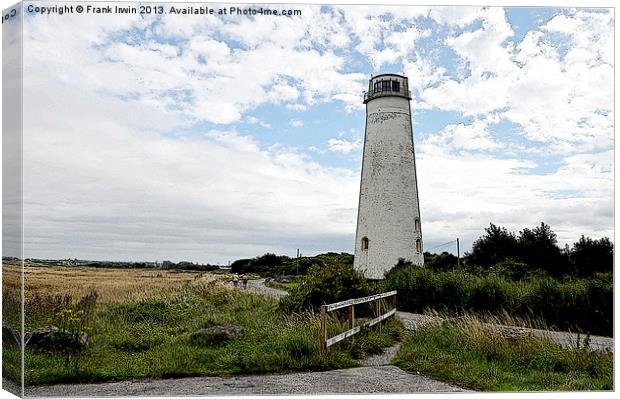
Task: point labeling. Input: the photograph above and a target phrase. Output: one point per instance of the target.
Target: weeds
(471, 352)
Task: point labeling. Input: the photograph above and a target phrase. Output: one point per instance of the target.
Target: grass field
(478, 356)
(143, 319)
(113, 285)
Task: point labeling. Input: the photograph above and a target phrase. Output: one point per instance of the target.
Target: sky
(214, 138)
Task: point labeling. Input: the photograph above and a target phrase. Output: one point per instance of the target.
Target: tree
(493, 247)
(265, 265)
(440, 262)
(590, 256)
(539, 249)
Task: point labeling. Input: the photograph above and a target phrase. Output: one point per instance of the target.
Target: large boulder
(10, 338)
(216, 335)
(52, 339)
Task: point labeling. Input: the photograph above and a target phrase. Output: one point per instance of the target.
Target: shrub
(515, 269)
(416, 286)
(323, 285)
(489, 294)
(453, 290)
(583, 305)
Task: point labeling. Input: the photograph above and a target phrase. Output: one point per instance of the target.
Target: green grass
(290, 286)
(283, 286)
(151, 339)
(11, 364)
(474, 356)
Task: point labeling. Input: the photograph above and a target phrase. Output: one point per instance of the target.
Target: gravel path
(382, 359)
(381, 379)
(260, 287)
(12, 387)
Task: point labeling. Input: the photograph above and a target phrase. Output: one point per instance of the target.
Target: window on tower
(418, 245)
(417, 224)
(364, 243)
(395, 85)
(385, 85)
(377, 87)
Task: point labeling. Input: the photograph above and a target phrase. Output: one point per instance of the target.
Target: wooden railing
(326, 341)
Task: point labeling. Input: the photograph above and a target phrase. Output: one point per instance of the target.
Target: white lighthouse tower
(388, 219)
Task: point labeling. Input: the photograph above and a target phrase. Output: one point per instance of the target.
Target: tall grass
(583, 305)
(477, 354)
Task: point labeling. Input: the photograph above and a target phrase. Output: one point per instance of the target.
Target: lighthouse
(388, 218)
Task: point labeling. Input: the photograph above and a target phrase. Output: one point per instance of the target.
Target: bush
(438, 262)
(454, 290)
(323, 285)
(264, 265)
(515, 269)
(489, 294)
(584, 305)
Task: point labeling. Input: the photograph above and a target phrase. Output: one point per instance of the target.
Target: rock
(52, 339)
(10, 338)
(239, 384)
(513, 333)
(215, 335)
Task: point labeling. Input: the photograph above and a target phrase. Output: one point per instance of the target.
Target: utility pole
(458, 253)
(297, 263)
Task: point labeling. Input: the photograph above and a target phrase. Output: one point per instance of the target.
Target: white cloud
(120, 193)
(343, 146)
(205, 77)
(461, 193)
(461, 137)
(373, 27)
(296, 107)
(256, 121)
(453, 15)
(563, 101)
(296, 122)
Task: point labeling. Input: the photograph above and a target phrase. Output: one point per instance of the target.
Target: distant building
(388, 220)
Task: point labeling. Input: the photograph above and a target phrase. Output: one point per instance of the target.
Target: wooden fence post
(351, 317)
(323, 333)
(394, 301)
(378, 307)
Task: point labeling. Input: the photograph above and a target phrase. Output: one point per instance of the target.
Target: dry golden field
(11, 274)
(113, 285)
